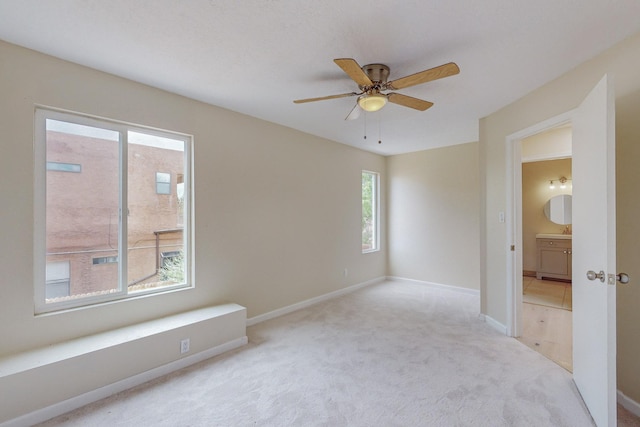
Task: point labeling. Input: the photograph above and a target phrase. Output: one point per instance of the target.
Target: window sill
(55, 353)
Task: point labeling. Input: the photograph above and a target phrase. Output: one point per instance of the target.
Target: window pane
(163, 183)
(63, 167)
(369, 211)
(163, 188)
(81, 209)
(111, 207)
(154, 231)
(57, 284)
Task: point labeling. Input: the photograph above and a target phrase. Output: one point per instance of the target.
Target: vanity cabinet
(554, 258)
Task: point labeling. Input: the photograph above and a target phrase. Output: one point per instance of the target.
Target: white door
(594, 249)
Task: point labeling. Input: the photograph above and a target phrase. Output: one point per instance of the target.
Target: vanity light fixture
(563, 183)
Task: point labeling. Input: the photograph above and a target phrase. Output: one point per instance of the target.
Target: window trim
(376, 211)
(42, 113)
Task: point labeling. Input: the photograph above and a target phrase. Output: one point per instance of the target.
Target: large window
(103, 232)
(370, 208)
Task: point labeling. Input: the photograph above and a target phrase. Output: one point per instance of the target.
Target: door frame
(513, 217)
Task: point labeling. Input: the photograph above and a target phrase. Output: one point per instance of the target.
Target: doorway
(546, 191)
(514, 156)
(594, 302)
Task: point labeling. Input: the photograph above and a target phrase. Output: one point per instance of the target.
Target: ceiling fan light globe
(372, 103)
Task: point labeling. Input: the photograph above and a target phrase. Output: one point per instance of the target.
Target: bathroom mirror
(558, 209)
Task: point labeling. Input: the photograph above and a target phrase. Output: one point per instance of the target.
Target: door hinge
(513, 248)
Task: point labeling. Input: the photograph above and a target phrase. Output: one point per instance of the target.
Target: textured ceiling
(256, 57)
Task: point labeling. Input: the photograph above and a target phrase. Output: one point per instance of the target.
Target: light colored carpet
(392, 354)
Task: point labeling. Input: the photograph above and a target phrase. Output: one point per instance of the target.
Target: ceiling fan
(372, 81)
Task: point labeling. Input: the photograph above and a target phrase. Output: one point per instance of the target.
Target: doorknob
(622, 278)
(592, 275)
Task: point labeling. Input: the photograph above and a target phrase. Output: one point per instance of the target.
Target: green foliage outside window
(368, 210)
(173, 269)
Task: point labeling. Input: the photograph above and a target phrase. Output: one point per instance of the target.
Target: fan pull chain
(365, 125)
(379, 128)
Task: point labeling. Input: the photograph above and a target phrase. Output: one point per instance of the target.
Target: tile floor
(549, 293)
(547, 319)
(549, 331)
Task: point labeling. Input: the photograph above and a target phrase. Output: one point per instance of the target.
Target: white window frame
(42, 113)
(375, 211)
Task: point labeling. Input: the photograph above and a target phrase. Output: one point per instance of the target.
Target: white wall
(556, 97)
(552, 144)
(433, 216)
(277, 211)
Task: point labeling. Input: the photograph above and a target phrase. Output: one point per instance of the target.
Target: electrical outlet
(184, 346)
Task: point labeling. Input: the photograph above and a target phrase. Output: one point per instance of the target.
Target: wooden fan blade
(354, 113)
(353, 70)
(408, 101)
(322, 98)
(436, 73)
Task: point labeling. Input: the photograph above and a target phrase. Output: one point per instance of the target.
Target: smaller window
(105, 260)
(370, 209)
(163, 183)
(64, 167)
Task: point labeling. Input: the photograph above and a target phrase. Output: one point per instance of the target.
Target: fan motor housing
(377, 73)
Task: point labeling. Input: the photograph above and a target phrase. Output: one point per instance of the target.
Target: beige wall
(628, 241)
(277, 211)
(556, 97)
(535, 194)
(433, 216)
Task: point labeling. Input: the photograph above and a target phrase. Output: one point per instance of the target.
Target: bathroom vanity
(554, 256)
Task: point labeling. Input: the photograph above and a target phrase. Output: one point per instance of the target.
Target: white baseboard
(92, 396)
(629, 404)
(307, 303)
(436, 285)
(489, 320)
(495, 324)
